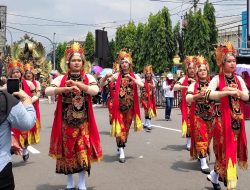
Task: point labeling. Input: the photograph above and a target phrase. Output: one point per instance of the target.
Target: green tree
(170, 47)
(196, 35)
(89, 47)
(125, 36)
(209, 14)
(178, 41)
(60, 49)
(112, 55)
(138, 52)
(155, 44)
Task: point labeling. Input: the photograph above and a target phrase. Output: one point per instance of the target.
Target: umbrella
(241, 68)
(96, 69)
(105, 71)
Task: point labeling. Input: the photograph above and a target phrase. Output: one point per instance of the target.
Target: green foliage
(60, 49)
(138, 52)
(111, 54)
(178, 41)
(125, 36)
(209, 14)
(89, 47)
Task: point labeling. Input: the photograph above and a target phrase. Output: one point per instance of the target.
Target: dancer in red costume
(229, 139)
(125, 106)
(75, 141)
(25, 138)
(29, 75)
(182, 84)
(111, 86)
(148, 97)
(201, 114)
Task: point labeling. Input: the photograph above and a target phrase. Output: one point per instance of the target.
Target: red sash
(184, 107)
(230, 143)
(151, 106)
(94, 151)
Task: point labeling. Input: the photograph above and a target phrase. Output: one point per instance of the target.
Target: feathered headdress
(188, 60)
(74, 49)
(125, 54)
(116, 67)
(222, 51)
(148, 69)
(14, 64)
(28, 67)
(200, 60)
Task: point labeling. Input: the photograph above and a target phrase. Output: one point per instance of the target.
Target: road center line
(33, 150)
(156, 126)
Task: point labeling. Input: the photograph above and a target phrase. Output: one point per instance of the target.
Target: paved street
(155, 161)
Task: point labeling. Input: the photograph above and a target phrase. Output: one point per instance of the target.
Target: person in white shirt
(167, 86)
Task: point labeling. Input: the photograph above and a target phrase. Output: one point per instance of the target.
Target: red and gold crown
(200, 60)
(188, 60)
(14, 64)
(222, 51)
(74, 49)
(28, 67)
(148, 69)
(116, 67)
(125, 54)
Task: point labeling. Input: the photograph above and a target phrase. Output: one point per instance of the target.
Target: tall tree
(155, 43)
(112, 55)
(125, 36)
(209, 14)
(170, 47)
(197, 35)
(178, 40)
(89, 47)
(138, 52)
(60, 49)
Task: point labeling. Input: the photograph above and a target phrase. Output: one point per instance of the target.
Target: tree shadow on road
(174, 147)
(104, 133)
(209, 188)
(114, 158)
(50, 187)
(57, 187)
(21, 163)
(185, 166)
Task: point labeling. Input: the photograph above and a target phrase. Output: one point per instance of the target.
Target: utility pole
(130, 12)
(195, 5)
(54, 52)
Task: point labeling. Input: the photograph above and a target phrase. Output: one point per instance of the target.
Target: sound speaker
(101, 47)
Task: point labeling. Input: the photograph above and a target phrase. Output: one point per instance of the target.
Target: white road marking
(156, 126)
(33, 150)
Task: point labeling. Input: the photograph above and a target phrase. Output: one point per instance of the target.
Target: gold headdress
(188, 60)
(14, 64)
(222, 51)
(125, 54)
(28, 67)
(116, 67)
(148, 69)
(200, 60)
(74, 49)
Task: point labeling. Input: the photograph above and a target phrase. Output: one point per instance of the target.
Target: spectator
(167, 86)
(12, 114)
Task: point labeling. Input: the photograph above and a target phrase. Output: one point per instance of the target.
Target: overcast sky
(100, 13)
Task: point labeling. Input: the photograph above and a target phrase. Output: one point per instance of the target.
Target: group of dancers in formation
(211, 110)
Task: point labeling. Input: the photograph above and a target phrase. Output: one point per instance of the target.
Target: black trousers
(7, 178)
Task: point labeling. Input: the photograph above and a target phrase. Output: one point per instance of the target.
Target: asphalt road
(156, 160)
